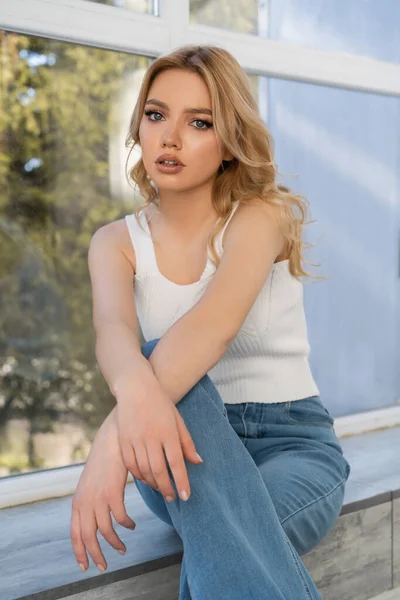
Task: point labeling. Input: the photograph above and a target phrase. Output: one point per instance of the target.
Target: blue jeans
(270, 488)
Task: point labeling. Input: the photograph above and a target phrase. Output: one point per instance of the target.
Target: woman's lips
(169, 168)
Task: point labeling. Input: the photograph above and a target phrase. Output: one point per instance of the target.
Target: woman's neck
(187, 219)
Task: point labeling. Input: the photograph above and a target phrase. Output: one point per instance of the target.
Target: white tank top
(268, 361)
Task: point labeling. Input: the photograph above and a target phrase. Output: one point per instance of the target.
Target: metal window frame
(88, 23)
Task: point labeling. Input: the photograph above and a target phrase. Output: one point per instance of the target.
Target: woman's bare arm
(118, 349)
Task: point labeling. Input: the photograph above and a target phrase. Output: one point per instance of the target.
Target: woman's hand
(99, 491)
(149, 424)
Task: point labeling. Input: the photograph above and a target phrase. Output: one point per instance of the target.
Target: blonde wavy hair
(237, 123)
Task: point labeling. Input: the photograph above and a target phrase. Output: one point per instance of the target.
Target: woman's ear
(227, 156)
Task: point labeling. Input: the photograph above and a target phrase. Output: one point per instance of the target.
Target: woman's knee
(309, 526)
(204, 386)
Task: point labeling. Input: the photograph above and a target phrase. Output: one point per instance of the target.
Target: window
(67, 92)
(62, 162)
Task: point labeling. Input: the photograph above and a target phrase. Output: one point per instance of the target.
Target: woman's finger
(130, 460)
(76, 539)
(89, 536)
(144, 465)
(176, 461)
(187, 443)
(104, 523)
(133, 465)
(118, 510)
(159, 469)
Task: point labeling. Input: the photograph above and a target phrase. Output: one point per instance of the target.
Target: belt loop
(243, 421)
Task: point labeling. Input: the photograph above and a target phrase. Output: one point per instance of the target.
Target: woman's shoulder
(116, 235)
(258, 208)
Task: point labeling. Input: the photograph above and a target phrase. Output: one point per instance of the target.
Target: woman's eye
(152, 112)
(206, 123)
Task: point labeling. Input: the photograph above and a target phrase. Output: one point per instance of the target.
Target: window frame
(88, 23)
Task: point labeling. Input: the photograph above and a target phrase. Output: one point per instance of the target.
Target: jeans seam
(313, 501)
(310, 423)
(297, 567)
(288, 541)
(224, 412)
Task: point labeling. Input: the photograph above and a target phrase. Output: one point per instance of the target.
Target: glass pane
(139, 6)
(340, 149)
(241, 15)
(364, 27)
(64, 115)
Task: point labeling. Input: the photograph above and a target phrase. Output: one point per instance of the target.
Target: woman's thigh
(300, 461)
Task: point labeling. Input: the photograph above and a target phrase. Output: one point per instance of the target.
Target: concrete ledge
(354, 561)
(367, 422)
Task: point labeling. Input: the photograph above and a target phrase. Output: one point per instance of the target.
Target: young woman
(211, 266)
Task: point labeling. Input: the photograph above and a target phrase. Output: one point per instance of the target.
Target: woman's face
(178, 120)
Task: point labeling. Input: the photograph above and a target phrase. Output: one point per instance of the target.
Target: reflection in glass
(340, 148)
(64, 115)
(357, 27)
(241, 16)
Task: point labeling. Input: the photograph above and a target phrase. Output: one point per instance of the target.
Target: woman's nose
(171, 138)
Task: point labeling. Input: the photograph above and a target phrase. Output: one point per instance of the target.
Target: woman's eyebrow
(205, 111)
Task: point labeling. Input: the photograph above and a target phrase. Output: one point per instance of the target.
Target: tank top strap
(219, 238)
(142, 243)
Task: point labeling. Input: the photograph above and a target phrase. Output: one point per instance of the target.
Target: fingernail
(199, 457)
(184, 495)
(101, 568)
(82, 567)
(121, 551)
(169, 499)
